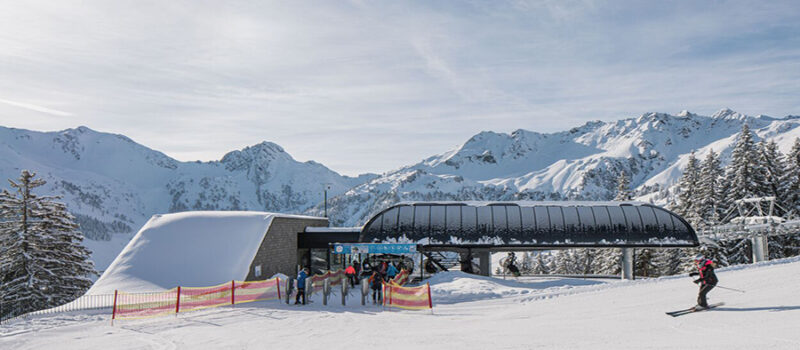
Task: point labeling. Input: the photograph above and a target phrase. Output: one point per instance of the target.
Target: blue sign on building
(374, 248)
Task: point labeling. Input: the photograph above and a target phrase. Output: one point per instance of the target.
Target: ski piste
(692, 310)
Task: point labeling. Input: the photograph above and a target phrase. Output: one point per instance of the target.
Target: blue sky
(368, 86)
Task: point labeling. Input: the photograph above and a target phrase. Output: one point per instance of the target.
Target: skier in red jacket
(708, 279)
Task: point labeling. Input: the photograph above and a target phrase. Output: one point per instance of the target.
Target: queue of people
(376, 276)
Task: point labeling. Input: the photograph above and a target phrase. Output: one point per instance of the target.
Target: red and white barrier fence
(184, 299)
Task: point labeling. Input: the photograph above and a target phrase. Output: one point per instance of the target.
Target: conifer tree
(709, 191)
(774, 171)
(609, 261)
(689, 184)
(540, 266)
(743, 174)
(623, 188)
(644, 263)
(792, 179)
(42, 261)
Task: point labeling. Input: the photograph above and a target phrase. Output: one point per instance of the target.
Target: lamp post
(325, 188)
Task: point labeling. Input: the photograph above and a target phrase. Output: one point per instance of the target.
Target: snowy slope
(471, 313)
(583, 162)
(189, 249)
(114, 185)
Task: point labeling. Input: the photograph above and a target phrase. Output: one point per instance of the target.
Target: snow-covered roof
(199, 248)
(529, 223)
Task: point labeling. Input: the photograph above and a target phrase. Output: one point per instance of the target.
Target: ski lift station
(204, 248)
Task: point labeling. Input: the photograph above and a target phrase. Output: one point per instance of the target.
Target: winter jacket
(391, 271)
(350, 270)
(706, 273)
(301, 280)
(375, 281)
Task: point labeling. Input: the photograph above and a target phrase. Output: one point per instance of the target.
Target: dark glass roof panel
(530, 224)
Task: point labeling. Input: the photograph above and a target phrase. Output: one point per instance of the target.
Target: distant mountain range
(113, 184)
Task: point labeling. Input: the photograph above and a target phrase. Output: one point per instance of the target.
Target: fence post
(278, 284)
(344, 293)
(326, 290)
(114, 310)
(178, 302)
(430, 301)
(233, 288)
(308, 290)
(289, 289)
(364, 291)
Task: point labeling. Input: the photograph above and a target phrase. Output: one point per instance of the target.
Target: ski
(692, 310)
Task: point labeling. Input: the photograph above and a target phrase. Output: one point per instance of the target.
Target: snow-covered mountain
(113, 185)
(581, 163)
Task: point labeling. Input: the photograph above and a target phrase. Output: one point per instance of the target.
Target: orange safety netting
(183, 299)
(142, 305)
(317, 281)
(197, 298)
(257, 290)
(412, 298)
(401, 278)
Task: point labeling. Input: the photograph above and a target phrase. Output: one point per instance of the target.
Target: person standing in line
(391, 271)
(301, 285)
(350, 272)
(357, 266)
(707, 281)
(376, 282)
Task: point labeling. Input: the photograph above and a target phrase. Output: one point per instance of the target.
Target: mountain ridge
(113, 184)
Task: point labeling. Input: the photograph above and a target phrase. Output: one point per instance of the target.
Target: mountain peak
(727, 113)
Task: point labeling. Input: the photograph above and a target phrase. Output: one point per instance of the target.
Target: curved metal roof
(530, 224)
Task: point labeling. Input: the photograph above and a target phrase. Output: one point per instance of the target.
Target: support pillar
(627, 263)
(485, 263)
(760, 247)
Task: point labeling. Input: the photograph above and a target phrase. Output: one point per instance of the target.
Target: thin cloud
(36, 108)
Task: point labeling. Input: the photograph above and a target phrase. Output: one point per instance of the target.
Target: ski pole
(735, 290)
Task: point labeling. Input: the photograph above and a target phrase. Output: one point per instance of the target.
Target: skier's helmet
(699, 257)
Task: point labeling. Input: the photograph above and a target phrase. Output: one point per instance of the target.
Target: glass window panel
(407, 220)
(556, 218)
(603, 227)
(453, 222)
(634, 222)
(650, 221)
(437, 218)
(618, 221)
(421, 216)
(528, 221)
(389, 220)
(542, 219)
(484, 220)
(587, 223)
(571, 219)
(499, 221)
(469, 218)
(664, 219)
(514, 220)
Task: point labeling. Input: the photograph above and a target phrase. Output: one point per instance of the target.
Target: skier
(301, 285)
(708, 280)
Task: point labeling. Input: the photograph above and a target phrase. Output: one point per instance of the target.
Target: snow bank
(188, 249)
(457, 287)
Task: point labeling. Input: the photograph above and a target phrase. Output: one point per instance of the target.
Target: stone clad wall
(278, 251)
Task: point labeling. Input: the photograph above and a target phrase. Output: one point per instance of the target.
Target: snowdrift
(187, 249)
